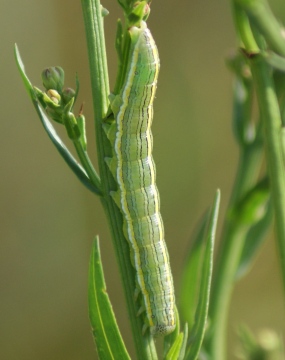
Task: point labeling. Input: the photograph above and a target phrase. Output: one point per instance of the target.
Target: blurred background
(48, 219)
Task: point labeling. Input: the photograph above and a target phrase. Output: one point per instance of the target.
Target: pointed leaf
(62, 149)
(184, 343)
(198, 330)
(104, 326)
(174, 351)
(190, 277)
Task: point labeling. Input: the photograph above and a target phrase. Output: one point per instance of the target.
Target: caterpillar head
(161, 329)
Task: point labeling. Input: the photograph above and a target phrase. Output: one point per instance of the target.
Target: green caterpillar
(137, 196)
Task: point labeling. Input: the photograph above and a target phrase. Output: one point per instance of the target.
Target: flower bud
(54, 96)
(53, 78)
(139, 12)
(81, 124)
(67, 95)
(70, 122)
(46, 100)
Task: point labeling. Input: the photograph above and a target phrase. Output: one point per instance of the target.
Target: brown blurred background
(48, 219)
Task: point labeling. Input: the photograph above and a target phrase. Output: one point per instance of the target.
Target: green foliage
(201, 314)
(106, 334)
(191, 274)
(92, 182)
(258, 191)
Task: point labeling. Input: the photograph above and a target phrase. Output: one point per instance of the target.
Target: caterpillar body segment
(137, 196)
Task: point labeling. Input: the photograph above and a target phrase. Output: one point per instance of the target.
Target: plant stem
(260, 14)
(87, 164)
(228, 264)
(271, 119)
(93, 20)
(243, 28)
(262, 17)
(234, 235)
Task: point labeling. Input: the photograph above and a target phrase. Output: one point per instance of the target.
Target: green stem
(234, 234)
(262, 17)
(243, 29)
(271, 119)
(144, 345)
(97, 56)
(87, 164)
(223, 288)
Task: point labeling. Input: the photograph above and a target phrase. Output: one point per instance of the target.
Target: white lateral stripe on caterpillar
(134, 170)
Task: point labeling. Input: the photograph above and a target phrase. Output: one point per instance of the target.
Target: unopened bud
(81, 124)
(139, 12)
(70, 122)
(67, 95)
(45, 99)
(53, 78)
(54, 96)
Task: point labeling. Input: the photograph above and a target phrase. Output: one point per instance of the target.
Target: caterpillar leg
(110, 131)
(115, 102)
(112, 165)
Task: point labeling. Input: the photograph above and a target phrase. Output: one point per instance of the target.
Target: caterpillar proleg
(137, 196)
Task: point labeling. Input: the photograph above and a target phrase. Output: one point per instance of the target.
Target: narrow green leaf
(198, 330)
(62, 149)
(184, 343)
(174, 351)
(191, 272)
(178, 347)
(104, 326)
